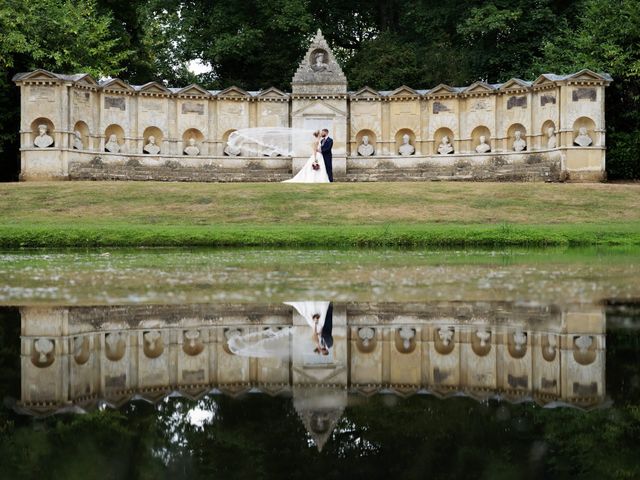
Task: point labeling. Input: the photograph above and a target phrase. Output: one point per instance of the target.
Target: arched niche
(81, 350)
(517, 343)
(444, 340)
(400, 140)
(587, 124)
(154, 132)
(116, 130)
(549, 133)
(481, 342)
(584, 349)
(83, 129)
(192, 343)
(511, 136)
(45, 124)
(229, 151)
(439, 135)
(372, 140)
(476, 133)
(229, 333)
(43, 352)
(115, 346)
(153, 344)
(366, 339)
(196, 135)
(405, 339)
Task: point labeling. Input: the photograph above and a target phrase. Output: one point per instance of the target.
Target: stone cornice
(366, 94)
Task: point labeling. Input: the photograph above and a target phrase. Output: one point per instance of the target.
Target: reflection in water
(322, 354)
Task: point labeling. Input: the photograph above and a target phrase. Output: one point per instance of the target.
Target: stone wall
(534, 128)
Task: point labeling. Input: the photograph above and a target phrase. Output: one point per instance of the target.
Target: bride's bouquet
(315, 165)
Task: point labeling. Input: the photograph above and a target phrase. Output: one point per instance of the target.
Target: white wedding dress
(307, 174)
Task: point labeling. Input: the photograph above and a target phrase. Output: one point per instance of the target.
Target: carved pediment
(442, 90)
(155, 88)
(272, 92)
(514, 84)
(545, 79)
(193, 90)
(587, 75)
(366, 92)
(117, 84)
(38, 74)
(319, 108)
(234, 92)
(404, 91)
(479, 87)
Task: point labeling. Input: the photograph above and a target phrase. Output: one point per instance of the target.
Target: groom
(326, 144)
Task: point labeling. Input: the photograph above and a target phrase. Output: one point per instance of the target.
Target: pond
(163, 363)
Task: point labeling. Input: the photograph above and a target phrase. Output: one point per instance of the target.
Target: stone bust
(406, 148)
(519, 145)
(320, 65)
(43, 140)
(112, 145)
(445, 146)
(192, 149)
(551, 138)
(77, 141)
(483, 146)
(151, 148)
(365, 149)
(583, 139)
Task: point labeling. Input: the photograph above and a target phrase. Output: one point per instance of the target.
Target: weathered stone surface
(70, 119)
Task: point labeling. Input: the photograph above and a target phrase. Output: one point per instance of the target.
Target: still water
(338, 364)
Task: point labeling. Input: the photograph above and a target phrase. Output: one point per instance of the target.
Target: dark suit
(325, 149)
(326, 336)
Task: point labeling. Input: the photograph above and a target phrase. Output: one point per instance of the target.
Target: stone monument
(551, 138)
(365, 149)
(406, 148)
(370, 128)
(43, 140)
(112, 145)
(77, 141)
(519, 145)
(445, 147)
(583, 139)
(192, 149)
(483, 146)
(151, 148)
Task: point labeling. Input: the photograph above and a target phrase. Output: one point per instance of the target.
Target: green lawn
(152, 213)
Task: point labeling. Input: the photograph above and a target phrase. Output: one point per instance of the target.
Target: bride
(313, 170)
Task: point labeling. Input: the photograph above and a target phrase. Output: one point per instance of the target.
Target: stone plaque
(192, 107)
(115, 102)
(81, 97)
(439, 107)
(479, 105)
(42, 94)
(152, 107)
(584, 94)
(544, 99)
(517, 102)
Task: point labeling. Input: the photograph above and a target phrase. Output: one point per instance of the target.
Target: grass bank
(68, 214)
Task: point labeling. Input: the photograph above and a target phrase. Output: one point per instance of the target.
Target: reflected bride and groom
(315, 346)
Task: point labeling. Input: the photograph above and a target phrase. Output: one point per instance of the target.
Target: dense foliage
(383, 44)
